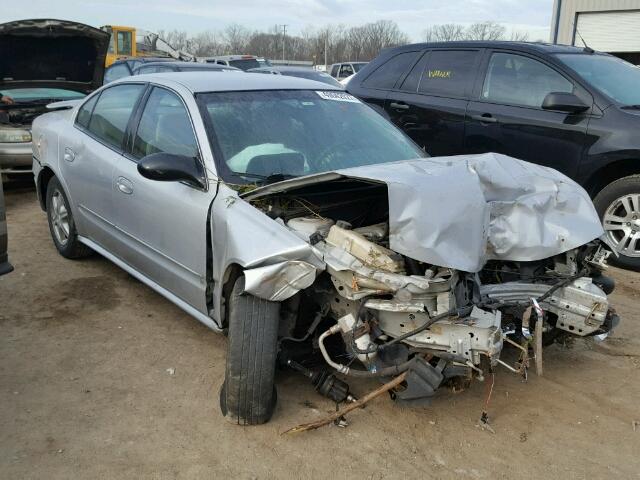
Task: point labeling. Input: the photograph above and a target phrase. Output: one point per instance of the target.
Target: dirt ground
(86, 391)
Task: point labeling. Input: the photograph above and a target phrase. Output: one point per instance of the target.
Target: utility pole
(284, 36)
(326, 41)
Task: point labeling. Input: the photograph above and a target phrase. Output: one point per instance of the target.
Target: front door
(163, 225)
(508, 117)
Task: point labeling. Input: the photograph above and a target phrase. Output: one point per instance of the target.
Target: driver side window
(518, 80)
(164, 126)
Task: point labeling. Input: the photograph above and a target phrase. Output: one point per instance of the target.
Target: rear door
(375, 88)
(162, 226)
(89, 154)
(431, 102)
(506, 115)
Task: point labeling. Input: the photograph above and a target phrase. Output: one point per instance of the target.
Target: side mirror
(564, 102)
(166, 167)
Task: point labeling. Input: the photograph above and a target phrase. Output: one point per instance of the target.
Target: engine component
(325, 383)
(369, 253)
(479, 333)
(581, 307)
(305, 227)
(423, 379)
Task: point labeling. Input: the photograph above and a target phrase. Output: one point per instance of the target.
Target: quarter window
(449, 73)
(84, 114)
(387, 74)
(164, 127)
(111, 114)
(517, 80)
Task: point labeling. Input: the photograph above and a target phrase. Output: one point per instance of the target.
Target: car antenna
(587, 48)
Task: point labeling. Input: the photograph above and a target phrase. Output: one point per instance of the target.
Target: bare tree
(485, 31)
(519, 36)
(236, 38)
(444, 33)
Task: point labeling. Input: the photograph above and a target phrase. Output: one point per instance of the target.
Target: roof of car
(197, 65)
(523, 46)
(283, 68)
(200, 82)
(144, 60)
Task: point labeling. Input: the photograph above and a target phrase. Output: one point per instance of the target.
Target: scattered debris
(350, 407)
(171, 371)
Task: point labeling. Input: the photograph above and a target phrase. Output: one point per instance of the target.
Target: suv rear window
(245, 64)
(449, 73)
(387, 74)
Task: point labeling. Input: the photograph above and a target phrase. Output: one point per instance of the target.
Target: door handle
(484, 118)
(124, 185)
(69, 155)
(399, 106)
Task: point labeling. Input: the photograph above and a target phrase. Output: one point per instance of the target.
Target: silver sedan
(295, 218)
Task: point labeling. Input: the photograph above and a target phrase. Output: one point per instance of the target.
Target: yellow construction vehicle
(122, 43)
(128, 42)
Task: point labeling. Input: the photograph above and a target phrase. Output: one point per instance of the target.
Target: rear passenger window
(111, 113)
(449, 73)
(387, 74)
(517, 80)
(164, 127)
(84, 114)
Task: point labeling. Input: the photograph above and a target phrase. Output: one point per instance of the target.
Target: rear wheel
(618, 205)
(248, 395)
(61, 224)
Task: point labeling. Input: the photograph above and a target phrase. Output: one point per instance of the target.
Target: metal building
(611, 26)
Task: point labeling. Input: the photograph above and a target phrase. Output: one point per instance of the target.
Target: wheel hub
(59, 218)
(622, 224)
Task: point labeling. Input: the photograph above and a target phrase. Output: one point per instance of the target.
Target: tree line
(338, 42)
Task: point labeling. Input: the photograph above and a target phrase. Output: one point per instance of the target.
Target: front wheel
(618, 205)
(248, 395)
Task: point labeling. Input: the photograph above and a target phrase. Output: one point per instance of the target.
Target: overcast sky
(413, 16)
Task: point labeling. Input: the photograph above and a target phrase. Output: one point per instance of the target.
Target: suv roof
(189, 65)
(539, 47)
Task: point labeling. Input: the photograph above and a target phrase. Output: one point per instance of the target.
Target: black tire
(72, 247)
(248, 395)
(605, 198)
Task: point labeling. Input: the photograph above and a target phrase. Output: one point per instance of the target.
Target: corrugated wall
(571, 7)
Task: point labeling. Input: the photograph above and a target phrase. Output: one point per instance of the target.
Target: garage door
(610, 31)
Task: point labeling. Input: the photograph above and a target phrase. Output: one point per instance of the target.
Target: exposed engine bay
(21, 115)
(373, 312)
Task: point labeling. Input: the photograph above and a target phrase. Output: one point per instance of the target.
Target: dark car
(5, 266)
(124, 68)
(156, 67)
(300, 72)
(568, 108)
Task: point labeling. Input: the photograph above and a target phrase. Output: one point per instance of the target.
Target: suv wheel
(248, 395)
(61, 224)
(618, 205)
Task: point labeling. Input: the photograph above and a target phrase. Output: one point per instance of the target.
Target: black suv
(569, 108)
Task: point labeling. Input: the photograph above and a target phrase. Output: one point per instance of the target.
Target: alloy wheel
(59, 218)
(621, 221)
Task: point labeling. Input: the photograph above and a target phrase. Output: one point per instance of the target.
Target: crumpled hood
(52, 54)
(459, 212)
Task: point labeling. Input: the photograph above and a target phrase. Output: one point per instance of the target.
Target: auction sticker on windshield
(337, 96)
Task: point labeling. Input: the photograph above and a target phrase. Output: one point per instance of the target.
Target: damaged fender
(279, 281)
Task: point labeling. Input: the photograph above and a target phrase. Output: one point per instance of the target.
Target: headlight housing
(14, 135)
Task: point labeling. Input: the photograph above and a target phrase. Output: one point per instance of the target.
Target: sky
(412, 16)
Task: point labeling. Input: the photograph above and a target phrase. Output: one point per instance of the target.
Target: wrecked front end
(430, 267)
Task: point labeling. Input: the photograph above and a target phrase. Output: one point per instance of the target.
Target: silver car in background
(292, 216)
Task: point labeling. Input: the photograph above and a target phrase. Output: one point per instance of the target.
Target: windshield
(358, 66)
(314, 75)
(245, 64)
(33, 94)
(614, 77)
(265, 134)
